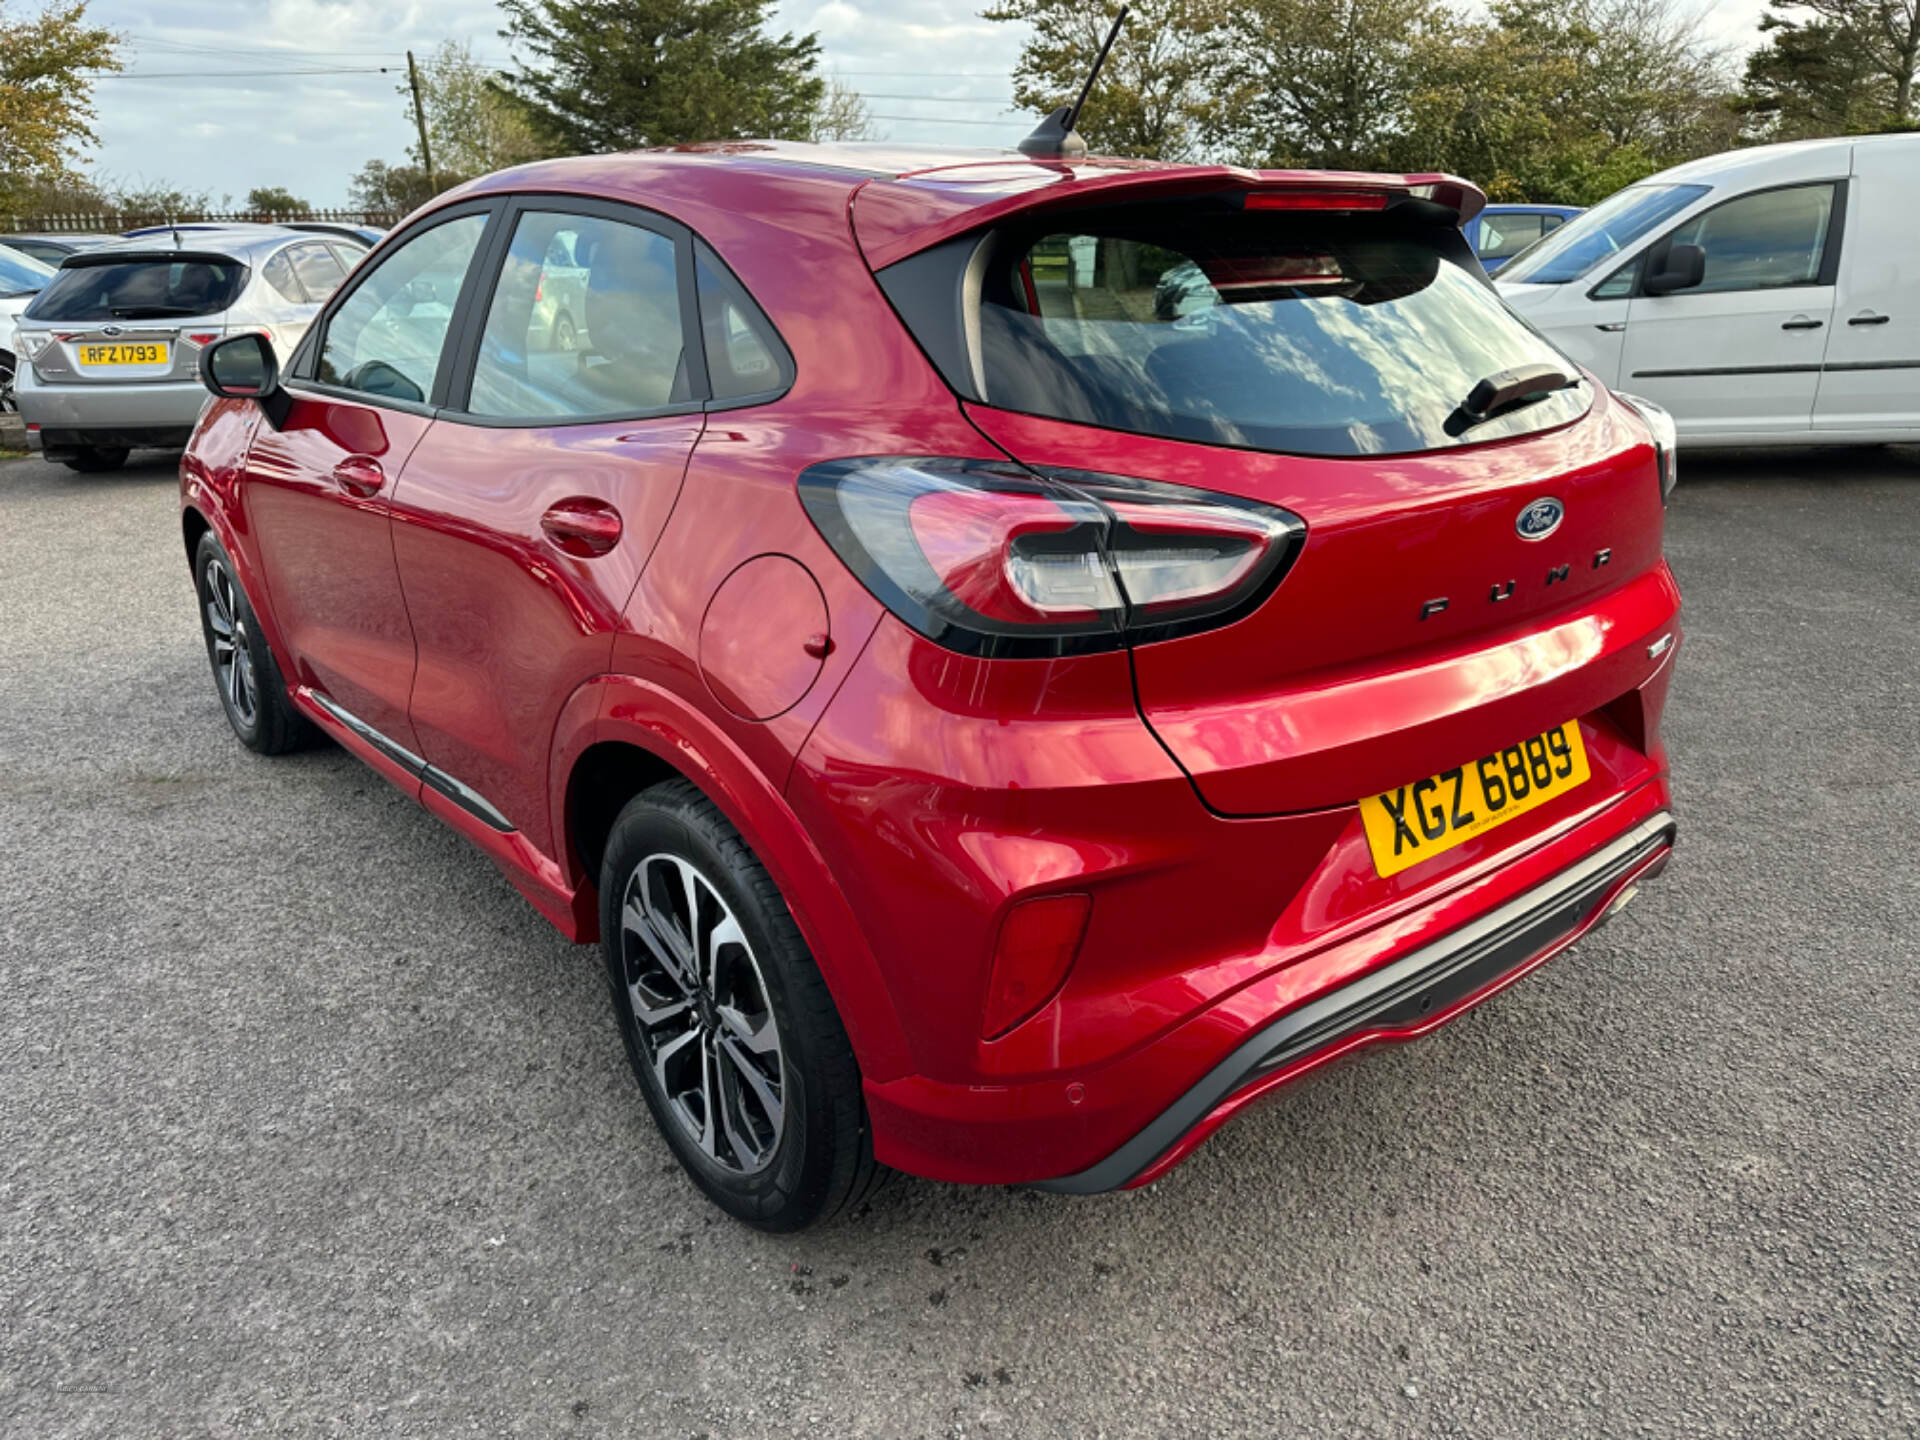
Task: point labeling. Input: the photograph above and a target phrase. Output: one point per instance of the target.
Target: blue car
(1501, 232)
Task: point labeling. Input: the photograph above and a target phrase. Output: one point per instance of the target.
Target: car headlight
(1666, 438)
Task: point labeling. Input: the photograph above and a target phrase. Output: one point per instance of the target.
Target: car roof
(233, 243)
(909, 197)
(1530, 208)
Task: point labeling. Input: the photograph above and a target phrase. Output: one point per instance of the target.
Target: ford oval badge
(1540, 519)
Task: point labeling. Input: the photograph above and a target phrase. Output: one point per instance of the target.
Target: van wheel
(251, 690)
(730, 1030)
(96, 459)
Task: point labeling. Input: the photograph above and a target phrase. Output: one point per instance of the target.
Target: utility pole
(420, 118)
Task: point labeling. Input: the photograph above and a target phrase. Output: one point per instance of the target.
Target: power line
(940, 99)
(946, 120)
(236, 74)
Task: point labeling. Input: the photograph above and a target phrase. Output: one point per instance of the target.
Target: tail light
(989, 558)
(1666, 439)
(1037, 944)
(1317, 200)
(30, 343)
(203, 338)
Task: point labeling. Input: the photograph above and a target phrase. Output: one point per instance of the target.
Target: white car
(21, 278)
(1764, 297)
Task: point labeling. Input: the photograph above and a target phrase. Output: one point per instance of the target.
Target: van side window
(1762, 241)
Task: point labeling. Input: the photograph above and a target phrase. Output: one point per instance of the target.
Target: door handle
(582, 526)
(1800, 322)
(1867, 317)
(1612, 327)
(360, 475)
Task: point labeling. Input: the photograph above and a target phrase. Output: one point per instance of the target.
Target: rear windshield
(152, 289)
(20, 273)
(1302, 333)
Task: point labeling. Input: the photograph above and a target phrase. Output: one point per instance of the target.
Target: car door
(1871, 378)
(1739, 355)
(359, 397)
(524, 516)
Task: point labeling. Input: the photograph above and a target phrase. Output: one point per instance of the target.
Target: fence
(118, 222)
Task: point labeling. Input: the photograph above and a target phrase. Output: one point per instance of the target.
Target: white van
(1765, 297)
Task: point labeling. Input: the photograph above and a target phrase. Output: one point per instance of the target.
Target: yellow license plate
(1416, 822)
(150, 354)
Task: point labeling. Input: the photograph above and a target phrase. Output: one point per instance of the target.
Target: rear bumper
(159, 413)
(1399, 1000)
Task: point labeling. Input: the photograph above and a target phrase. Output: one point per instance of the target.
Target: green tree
(275, 200)
(1325, 82)
(1565, 104)
(619, 74)
(1160, 95)
(395, 190)
(1841, 67)
(473, 126)
(47, 62)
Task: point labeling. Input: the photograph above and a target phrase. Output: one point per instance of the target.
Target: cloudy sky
(220, 112)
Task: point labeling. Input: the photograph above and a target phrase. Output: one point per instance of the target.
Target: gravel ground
(310, 1126)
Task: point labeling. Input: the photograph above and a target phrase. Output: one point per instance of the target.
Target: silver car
(108, 352)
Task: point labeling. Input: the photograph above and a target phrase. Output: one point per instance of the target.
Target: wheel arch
(628, 734)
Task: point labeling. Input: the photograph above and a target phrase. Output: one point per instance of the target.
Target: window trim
(1657, 249)
(470, 329)
(299, 374)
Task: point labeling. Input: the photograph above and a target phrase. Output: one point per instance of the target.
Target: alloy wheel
(703, 1014)
(227, 634)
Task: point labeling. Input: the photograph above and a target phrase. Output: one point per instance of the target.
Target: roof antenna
(1053, 137)
(176, 232)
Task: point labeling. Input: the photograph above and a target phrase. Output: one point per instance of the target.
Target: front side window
(1585, 242)
(319, 271)
(1306, 334)
(585, 321)
(1762, 241)
(147, 288)
(386, 337)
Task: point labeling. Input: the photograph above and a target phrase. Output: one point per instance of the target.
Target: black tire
(564, 337)
(819, 1158)
(98, 459)
(259, 709)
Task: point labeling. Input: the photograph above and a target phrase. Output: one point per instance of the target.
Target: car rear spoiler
(895, 218)
(81, 259)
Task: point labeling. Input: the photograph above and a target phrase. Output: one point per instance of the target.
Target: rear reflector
(1317, 200)
(1038, 942)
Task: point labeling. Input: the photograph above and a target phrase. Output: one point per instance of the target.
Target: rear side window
(745, 357)
(1502, 236)
(278, 272)
(1300, 333)
(146, 289)
(585, 321)
(319, 270)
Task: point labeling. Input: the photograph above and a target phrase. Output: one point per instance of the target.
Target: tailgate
(1351, 679)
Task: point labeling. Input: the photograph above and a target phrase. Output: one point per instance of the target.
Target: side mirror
(240, 367)
(244, 367)
(1681, 268)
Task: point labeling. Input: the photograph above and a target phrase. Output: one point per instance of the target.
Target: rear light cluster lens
(989, 558)
(31, 343)
(1666, 439)
(1317, 200)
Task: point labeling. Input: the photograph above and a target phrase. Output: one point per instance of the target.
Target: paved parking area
(310, 1126)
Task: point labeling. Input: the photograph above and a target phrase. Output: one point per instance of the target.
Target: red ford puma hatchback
(1012, 658)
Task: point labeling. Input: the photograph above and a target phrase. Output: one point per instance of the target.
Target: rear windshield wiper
(1508, 390)
(151, 312)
